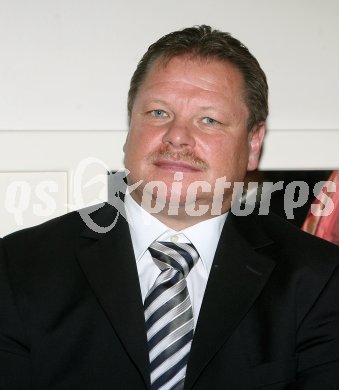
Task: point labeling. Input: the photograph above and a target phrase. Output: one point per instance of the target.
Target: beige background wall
(65, 67)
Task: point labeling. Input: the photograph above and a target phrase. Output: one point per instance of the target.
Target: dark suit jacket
(71, 313)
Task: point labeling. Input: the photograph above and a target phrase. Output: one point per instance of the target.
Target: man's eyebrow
(155, 100)
(206, 108)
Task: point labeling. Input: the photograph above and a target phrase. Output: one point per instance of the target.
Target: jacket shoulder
(55, 232)
(289, 244)
(287, 234)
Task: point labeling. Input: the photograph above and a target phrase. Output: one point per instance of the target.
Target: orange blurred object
(319, 221)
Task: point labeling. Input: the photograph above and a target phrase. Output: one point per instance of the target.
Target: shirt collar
(145, 229)
(205, 236)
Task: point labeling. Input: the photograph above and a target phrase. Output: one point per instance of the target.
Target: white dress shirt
(145, 229)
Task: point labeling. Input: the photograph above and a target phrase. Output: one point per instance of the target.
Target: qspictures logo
(295, 195)
(91, 185)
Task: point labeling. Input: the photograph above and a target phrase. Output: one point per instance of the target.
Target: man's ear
(255, 139)
(125, 143)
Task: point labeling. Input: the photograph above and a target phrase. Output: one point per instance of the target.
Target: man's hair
(206, 43)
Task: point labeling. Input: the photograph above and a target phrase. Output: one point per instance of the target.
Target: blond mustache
(185, 156)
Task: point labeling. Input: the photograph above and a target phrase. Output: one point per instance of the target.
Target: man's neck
(180, 216)
(177, 222)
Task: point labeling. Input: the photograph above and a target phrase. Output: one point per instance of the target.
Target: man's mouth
(176, 165)
(183, 161)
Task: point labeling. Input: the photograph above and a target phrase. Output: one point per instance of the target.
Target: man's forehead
(209, 74)
(164, 61)
(184, 64)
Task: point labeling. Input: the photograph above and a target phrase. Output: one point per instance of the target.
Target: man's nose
(179, 134)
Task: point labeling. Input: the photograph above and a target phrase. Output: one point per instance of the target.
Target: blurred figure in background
(318, 221)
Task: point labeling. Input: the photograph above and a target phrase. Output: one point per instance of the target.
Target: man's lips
(175, 165)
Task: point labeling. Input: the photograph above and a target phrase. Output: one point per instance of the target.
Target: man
(184, 294)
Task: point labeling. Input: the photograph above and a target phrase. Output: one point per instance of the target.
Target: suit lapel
(109, 265)
(237, 277)
(239, 273)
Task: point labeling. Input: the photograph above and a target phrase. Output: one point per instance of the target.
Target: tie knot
(180, 256)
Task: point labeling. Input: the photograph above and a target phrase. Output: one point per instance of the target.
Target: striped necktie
(169, 315)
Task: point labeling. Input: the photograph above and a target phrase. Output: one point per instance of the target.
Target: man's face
(189, 116)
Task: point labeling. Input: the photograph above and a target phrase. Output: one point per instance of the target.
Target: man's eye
(210, 121)
(158, 113)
